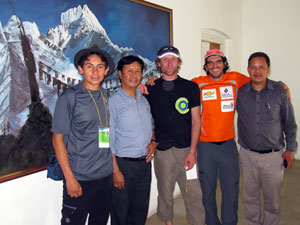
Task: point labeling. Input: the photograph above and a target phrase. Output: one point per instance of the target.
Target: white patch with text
(226, 92)
(227, 106)
(209, 94)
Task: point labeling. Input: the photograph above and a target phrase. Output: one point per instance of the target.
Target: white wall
(32, 200)
(272, 26)
(35, 200)
(191, 17)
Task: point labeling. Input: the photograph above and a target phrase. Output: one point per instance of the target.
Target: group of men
(105, 147)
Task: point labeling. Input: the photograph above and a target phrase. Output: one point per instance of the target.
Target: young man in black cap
(175, 107)
(80, 128)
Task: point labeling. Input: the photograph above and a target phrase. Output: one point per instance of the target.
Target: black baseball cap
(101, 52)
(168, 50)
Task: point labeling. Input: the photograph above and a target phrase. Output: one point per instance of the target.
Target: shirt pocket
(128, 119)
(271, 111)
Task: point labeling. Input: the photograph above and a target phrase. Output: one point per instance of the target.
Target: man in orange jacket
(217, 154)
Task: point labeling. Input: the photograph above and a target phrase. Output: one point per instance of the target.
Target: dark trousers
(130, 205)
(219, 161)
(95, 202)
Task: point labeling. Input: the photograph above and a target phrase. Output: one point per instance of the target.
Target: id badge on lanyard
(103, 134)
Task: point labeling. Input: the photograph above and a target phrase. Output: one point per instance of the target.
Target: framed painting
(38, 41)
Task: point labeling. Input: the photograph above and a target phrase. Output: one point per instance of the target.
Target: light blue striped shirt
(130, 124)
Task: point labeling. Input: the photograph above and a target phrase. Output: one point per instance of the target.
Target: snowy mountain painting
(37, 45)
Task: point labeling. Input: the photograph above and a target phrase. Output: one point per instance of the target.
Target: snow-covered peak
(12, 23)
(80, 27)
(90, 17)
(32, 29)
(14, 29)
(71, 15)
(75, 15)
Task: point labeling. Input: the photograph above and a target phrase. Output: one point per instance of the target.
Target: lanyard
(104, 102)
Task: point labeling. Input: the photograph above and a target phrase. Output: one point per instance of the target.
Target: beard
(216, 76)
(169, 73)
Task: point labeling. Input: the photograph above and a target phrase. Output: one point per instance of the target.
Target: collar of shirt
(269, 85)
(123, 93)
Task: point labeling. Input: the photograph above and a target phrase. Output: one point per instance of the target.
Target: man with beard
(175, 108)
(217, 154)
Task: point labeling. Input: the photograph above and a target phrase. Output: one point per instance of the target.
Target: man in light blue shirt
(133, 145)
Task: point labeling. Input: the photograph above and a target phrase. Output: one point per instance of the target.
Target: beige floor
(290, 202)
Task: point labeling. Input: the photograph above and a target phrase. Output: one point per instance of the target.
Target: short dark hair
(128, 60)
(226, 65)
(259, 54)
(85, 56)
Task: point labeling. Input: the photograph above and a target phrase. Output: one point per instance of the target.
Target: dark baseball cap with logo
(168, 50)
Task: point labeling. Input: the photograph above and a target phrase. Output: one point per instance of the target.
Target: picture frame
(37, 44)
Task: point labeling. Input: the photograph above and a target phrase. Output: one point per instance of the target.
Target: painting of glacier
(37, 43)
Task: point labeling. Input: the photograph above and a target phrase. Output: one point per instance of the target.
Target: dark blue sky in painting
(128, 24)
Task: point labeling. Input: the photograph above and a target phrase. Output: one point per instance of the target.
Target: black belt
(218, 143)
(263, 151)
(133, 159)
